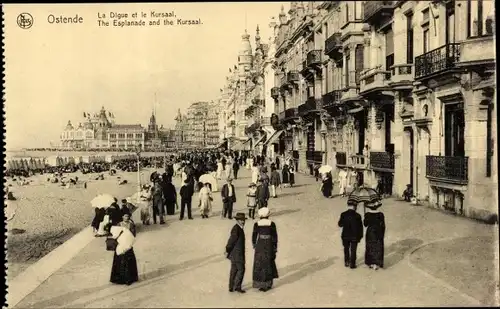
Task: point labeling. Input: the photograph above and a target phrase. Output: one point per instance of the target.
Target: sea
(13, 154)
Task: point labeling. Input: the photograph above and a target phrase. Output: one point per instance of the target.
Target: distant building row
(199, 127)
(99, 131)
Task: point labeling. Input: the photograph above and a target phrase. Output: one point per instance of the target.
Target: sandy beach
(48, 214)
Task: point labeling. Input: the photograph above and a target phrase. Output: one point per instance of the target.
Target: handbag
(112, 243)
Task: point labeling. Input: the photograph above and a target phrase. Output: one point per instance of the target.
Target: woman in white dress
(205, 200)
(229, 167)
(342, 182)
(255, 174)
(220, 169)
(250, 162)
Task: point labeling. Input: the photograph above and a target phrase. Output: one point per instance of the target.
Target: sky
(55, 72)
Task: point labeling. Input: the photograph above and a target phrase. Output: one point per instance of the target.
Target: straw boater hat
(264, 212)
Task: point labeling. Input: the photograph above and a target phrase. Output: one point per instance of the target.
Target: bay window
(481, 16)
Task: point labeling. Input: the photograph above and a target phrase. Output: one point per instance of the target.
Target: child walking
(251, 200)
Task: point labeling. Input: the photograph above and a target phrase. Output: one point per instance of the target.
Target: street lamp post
(138, 154)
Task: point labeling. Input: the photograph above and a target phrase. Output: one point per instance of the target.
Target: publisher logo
(25, 20)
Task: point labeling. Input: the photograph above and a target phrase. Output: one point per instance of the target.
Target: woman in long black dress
(124, 268)
(375, 231)
(327, 185)
(285, 173)
(265, 243)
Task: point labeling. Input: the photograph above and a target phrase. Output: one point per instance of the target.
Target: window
(426, 40)
(480, 20)
(409, 38)
(359, 61)
(450, 23)
(358, 10)
(130, 135)
(425, 15)
(454, 130)
(389, 49)
(347, 12)
(121, 135)
(347, 60)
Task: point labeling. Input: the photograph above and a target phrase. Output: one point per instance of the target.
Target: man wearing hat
(228, 198)
(235, 251)
(352, 232)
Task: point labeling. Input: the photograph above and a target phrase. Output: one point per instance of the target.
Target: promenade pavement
(431, 259)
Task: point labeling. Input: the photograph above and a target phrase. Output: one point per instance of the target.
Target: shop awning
(274, 137)
(239, 145)
(260, 140)
(222, 144)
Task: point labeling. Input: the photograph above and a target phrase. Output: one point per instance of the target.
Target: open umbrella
(363, 194)
(211, 180)
(325, 169)
(102, 201)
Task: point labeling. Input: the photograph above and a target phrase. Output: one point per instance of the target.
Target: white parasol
(102, 201)
(211, 180)
(325, 169)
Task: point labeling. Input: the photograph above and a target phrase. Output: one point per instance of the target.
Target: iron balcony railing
(311, 104)
(313, 57)
(447, 168)
(275, 92)
(382, 160)
(332, 98)
(333, 43)
(437, 60)
(341, 158)
(372, 10)
(314, 156)
(293, 76)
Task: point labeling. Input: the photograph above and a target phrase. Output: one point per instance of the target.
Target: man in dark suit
(352, 232)
(235, 251)
(228, 198)
(236, 167)
(186, 194)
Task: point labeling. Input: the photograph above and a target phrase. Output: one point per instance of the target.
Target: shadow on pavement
(304, 271)
(289, 194)
(144, 279)
(397, 251)
(284, 212)
(284, 270)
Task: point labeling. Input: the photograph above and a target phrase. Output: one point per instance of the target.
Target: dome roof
(246, 47)
(69, 126)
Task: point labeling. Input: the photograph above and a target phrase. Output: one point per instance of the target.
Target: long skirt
(292, 179)
(124, 269)
(170, 207)
(374, 252)
(264, 270)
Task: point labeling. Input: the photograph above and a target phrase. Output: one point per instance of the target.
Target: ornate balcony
(283, 82)
(313, 58)
(293, 77)
(275, 92)
(437, 61)
(447, 169)
(402, 77)
(382, 161)
(311, 105)
(358, 162)
(350, 92)
(377, 11)
(332, 98)
(314, 156)
(341, 158)
(333, 46)
(374, 80)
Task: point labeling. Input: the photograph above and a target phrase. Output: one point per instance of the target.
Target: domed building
(99, 131)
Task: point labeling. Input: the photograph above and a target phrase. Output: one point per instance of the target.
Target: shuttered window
(359, 61)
